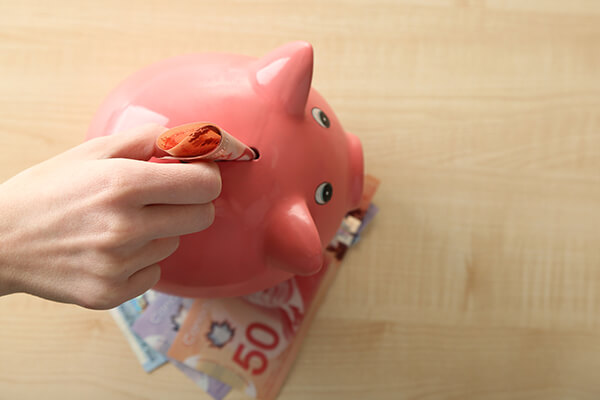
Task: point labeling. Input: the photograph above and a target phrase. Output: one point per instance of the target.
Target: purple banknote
(158, 326)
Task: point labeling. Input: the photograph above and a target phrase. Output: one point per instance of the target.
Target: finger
(162, 221)
(158, 183)
(138, 144)
(140, 282)
(151, 252)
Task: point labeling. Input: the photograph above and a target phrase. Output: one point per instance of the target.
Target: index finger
(170, 183)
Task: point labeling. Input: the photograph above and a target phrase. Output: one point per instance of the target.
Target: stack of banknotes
(244, 343)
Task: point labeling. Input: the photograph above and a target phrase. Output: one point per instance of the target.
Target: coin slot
(257, 154)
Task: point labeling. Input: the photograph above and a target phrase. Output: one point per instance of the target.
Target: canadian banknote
(158, 326)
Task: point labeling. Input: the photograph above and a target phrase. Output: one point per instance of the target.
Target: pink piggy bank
(275, 214)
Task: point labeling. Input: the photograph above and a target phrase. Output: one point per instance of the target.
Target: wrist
(8, 281)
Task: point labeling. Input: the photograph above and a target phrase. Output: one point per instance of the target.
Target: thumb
(137, 144)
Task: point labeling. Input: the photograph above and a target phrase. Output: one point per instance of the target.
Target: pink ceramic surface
(275, 214)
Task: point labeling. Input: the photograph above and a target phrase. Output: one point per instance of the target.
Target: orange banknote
(203, 141)
(249, 343)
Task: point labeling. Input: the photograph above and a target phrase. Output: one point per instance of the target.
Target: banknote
(158, 326)
(368, 217)
(371, 184)
(159, 323)
(250, 342)
(215, 388)
(125, 316)
(355, 221)
(203, 141)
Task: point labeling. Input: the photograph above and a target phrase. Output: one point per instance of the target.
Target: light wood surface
(480, 277)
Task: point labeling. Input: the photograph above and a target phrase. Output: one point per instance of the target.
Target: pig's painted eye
(323, 193)
(320, 117)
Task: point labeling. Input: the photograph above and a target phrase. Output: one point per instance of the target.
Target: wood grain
(480, 277)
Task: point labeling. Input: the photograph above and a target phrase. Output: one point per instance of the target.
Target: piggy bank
(277, 213)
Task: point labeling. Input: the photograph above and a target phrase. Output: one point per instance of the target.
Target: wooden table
(480, 277)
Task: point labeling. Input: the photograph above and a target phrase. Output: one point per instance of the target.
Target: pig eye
(323, 193)
(320, 117)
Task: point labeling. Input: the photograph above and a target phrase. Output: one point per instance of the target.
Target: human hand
(90, 225)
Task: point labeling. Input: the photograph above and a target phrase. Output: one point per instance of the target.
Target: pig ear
(285, 74)
(292, 241)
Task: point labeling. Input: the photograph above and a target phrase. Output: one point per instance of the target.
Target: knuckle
(112, 267)
(155, 273)
(164, 247)
(98, 295)
(120, 231)
(209, 215)
(95, 145)
(118, 185)
(203, 217)
(212, 180)
(173, 245)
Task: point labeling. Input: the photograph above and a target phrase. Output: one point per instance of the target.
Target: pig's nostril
(255, 150)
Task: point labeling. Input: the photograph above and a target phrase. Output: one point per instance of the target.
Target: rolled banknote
(158, 326)
(125, 316)
(203, 141)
